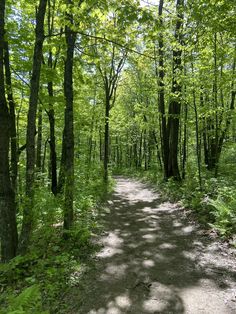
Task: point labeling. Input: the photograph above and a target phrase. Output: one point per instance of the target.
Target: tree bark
(198, 144)
(68, 138)
(50, 112)
(52, 141)
(39, 140)
(8, 230)
(106, 137)
(185, 141)
(175, 102)
(161, 97)
(11, 104)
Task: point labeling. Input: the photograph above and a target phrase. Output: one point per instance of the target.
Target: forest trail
(153, 260)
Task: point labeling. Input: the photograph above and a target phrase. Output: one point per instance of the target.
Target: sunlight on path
(154, 261)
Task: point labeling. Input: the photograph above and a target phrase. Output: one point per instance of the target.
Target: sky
(148, 2)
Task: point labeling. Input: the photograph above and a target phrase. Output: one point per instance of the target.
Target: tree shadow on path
(152, 260)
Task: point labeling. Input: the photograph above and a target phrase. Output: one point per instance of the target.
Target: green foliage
(54, 263)
(17, 269)
(28, 301)
(224, 211)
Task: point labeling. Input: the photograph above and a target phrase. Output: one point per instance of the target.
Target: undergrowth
(38, 281)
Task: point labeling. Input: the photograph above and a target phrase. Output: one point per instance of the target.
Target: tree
(11, 103)
(68, 133)
(175, 102)
(50, 87)
(8, 230)
(31, 127)
(110, 80)
(161, 95)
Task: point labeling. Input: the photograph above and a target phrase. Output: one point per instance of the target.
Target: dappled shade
(152, 260)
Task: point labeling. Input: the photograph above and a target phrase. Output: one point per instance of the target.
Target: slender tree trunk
(145, 153)
(110, 80)
(13, 135)
(8, 230)
(229, 117)
(198, 146)
(215, 92)
(117, 153)
(53, 154)
(68, 139)
(52, 141)
(121, 155)
(106, 137)
(100, 145)
(175, 102)
(90, 140)
(51, 113)
(150, 148)
(136, 153)
(157, 150)
(61, 177)
(185, 141)
(27, 223)
(44, 155)
(140, 150)
(39, 140)
(161, 98)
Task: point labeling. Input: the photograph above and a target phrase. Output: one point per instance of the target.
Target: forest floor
(154, 259)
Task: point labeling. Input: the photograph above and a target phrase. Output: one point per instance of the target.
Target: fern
(28, 301)
(225, 215)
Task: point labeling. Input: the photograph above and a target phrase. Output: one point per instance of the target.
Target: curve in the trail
(153, 260)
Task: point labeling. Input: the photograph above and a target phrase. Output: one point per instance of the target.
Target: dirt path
(154, 261)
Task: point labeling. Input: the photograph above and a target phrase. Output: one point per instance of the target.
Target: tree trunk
(106, 138)
(8, 230)
(175, 102)
(27, 223)
(110, 81)
(100, 145)
(68, 138)
(157, 150)
(13, 135)
(61, 177)
(51, 113)
(52, 141)
(185, 140)
(39, 140)
(161, 98)
(229, 117)
(198, 144)
(140, 150)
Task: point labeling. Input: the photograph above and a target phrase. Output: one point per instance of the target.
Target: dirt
(153, 259)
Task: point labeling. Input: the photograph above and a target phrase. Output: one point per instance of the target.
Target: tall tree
(11, 103)
(161, 95)
(110, 80)
(8, 230)
(68, 133)
(31, 127)
(39, 139)
(175, 102)
(50, 87)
